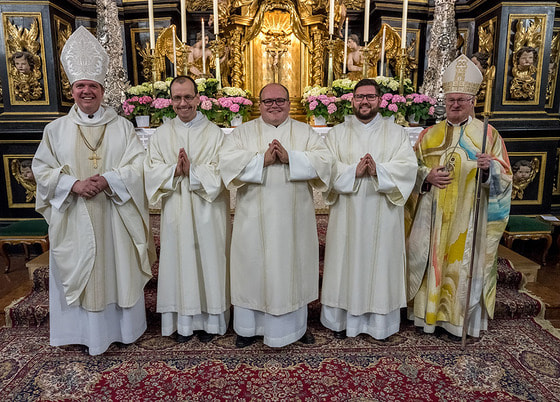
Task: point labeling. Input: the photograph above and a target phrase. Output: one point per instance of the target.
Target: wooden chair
(27, 233)
(526, 228)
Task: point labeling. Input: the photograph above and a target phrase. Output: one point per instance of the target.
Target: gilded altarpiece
(524, 59)
(25, 58)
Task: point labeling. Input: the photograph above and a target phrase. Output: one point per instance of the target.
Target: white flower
(160, 85)
(233, 91)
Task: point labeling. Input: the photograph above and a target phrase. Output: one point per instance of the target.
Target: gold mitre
(462, 76)
(83, 57)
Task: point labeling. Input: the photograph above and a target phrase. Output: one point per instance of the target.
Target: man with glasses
(442, 236)
(181, 170)
(375, 169)
(273, 162)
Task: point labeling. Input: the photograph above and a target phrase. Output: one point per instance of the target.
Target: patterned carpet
(514, 360)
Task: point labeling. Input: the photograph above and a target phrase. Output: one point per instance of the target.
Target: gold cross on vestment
(94, 158)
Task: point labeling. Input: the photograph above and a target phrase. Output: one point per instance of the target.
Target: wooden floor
(17, 284)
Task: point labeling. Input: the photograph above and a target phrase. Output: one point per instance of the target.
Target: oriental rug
(515, 360)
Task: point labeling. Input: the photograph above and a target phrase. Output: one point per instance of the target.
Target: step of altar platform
(510, 303)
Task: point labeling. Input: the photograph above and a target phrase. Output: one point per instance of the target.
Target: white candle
(183, 22)
(404, 16)
(215, 6)
(331, 17)
(366, 22)
(151, 24)
(174, 54)
(383, 51)
(345, 47)
(203, 39)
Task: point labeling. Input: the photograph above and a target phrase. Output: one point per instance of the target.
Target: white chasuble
(365, 245)
(195, 224)
(274, 250)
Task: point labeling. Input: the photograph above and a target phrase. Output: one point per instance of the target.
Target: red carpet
(514, 360)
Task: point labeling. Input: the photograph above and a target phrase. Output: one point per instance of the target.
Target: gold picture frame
(533, 188)
(20, 184)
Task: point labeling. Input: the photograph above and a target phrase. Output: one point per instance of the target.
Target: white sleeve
(253, 172)
(344, 184)
(117, 190)
(63, 192)
(300, 167)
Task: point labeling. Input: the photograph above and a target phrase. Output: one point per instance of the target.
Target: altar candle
(183, 22)
(215, 6)
(404, 16)
(331, 17)
(151, 24)
(203, 39)
(383, 50)
(366, 22)
(174, 54)
(345, 47)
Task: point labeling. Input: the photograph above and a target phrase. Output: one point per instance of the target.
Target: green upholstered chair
(522, 227)
(26, 232)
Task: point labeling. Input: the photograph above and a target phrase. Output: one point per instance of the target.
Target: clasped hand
(183, 164)
(366, 166)
(90, 187)
(275, 153)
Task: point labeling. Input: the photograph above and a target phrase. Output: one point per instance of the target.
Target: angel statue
(21, 170)
(524, 172)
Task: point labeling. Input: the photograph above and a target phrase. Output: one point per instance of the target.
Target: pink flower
(206, 105)
(398, 98)
(387, 97)
(313, 105)
(203, 98)
(247, 102)
(347, 97)
(128, 109)
(322, 97)
(431, 111)
(393, 108)
(383, 104)
(225, 102)
(161, 103)
(234, 108)
(331, 108)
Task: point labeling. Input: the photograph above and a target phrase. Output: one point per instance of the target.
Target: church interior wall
(530, 126)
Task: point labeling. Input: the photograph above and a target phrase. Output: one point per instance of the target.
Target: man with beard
(273, 162)
(375, 169)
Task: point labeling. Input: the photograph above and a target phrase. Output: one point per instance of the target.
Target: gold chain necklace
(93, 156)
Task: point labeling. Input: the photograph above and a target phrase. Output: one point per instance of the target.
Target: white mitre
(83, 57)
(462, 76)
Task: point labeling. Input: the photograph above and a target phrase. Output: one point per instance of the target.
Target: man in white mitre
(364, 281)
(90, 190)
(181, 170)
(273, 162)
(442, 236)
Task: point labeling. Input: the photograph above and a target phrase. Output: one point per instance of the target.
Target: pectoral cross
(94, 158)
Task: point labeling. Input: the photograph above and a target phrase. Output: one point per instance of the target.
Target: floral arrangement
(343, 86)
(159, 89)
(162, 108)
(392, 104)
(138, 106)
(391, 85)
(207, 86)
(420, 106)
(317, 103)
(221, 110)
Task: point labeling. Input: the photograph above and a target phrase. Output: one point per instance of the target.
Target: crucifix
(94, 158)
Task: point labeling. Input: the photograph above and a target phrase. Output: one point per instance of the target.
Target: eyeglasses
(369, 97)
(186, 98)
(460, 101)
(278, 101)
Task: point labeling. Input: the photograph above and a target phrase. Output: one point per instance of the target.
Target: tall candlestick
(203, 39)
(331, 17)
(215, 7)
(366, 22)
(183, 22)
(345, 48)
(383, 51)
(174, 54)
(403, 29)
(151, 24)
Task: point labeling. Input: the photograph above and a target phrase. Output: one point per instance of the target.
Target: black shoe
(204, 336)
(307, 338)
(340, 334)
(182, 339)
(244, 341)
